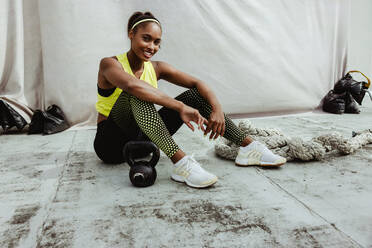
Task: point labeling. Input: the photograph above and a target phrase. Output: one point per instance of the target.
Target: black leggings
(134, 119)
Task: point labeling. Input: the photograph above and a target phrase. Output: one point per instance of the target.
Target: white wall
(360, 38)
(257, 56)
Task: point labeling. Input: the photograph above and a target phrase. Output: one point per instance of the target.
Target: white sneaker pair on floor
(189, 171)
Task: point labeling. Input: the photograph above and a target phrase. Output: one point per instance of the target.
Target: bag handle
(369, 81)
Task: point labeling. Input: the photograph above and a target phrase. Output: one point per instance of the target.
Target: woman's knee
(194, 93)
(196, 98)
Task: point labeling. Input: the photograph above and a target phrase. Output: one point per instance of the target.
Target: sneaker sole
(206, 185)
(262, 164)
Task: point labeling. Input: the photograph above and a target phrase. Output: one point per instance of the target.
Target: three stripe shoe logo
(253, 156)
(181, 172)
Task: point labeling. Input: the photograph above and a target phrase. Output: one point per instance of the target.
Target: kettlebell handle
(131, 146)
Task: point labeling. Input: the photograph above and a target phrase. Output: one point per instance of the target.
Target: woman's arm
(113, 72)
(216, 122)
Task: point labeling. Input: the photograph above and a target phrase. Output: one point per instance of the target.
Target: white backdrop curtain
(259, 57)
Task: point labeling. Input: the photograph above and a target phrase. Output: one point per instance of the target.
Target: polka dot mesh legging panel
(131, 113)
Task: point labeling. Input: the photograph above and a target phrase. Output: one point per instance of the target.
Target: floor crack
(48, 206)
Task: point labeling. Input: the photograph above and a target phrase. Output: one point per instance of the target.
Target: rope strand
(294, 147)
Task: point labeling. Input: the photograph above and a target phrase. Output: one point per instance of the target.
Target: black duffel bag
(334, 103)
(51, 121)
(10, 118)
(345, 95)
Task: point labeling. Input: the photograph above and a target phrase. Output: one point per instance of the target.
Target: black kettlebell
(142, 173)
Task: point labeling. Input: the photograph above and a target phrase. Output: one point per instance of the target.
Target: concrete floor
(54, 192)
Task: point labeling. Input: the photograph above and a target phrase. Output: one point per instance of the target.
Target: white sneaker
(189, 171)
(258, 154)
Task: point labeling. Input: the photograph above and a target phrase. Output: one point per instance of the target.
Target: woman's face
(145, 42)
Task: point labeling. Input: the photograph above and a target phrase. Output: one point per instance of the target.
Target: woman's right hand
(189, 114)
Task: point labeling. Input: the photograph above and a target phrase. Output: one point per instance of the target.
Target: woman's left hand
(216, 124)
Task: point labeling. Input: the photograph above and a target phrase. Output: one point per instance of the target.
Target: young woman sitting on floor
(127, 92)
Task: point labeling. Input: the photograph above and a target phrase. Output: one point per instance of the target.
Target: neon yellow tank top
(105, 104)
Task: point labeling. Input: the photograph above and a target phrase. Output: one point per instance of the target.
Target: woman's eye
(145, 38)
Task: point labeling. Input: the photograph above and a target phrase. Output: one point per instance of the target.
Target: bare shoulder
(161, 68)
(157, 68)
(108, 62)
(155, 64)
(159, 64)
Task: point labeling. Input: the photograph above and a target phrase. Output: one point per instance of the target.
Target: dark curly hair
(138, 16)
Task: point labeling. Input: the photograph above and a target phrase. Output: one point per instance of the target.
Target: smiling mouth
(147, 54)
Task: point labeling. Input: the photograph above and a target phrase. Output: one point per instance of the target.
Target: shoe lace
(261, 147)
(191, 163)
(266, 150)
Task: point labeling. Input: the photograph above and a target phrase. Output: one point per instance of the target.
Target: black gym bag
(345, 95)
(10, 118)
(51, 121)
